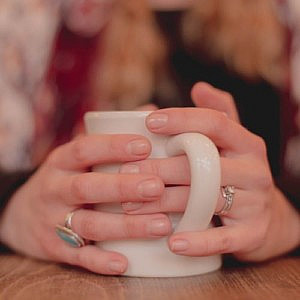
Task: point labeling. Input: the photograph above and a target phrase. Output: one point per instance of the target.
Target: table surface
(25, 278)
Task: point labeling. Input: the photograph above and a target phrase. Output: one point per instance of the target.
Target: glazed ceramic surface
(152, 258)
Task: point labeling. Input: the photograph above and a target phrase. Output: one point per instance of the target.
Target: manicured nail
(149, 188)
(116, 266)
(131, 206)
(138, 147)
(156, 121)
(159, 227)
(129, 168)
(179, 245)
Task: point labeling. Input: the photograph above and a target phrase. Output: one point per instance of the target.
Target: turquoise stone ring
(69, 236)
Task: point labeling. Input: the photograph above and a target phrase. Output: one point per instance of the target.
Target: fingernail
(116, 266)
(149, 188)
(138, 147)
(130, 206)
(156, 121)
(159, 227)
(179, 245)
(129, 169)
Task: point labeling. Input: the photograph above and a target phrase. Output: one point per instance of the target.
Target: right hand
(63, 184)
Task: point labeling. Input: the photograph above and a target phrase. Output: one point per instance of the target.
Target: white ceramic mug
(152, 257)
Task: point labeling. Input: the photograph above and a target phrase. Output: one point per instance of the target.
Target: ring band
(228, 192)
(68, 219)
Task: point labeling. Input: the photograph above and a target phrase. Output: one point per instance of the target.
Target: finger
(217, 240)
(206, 96)
(175, 199)
(95, 187)
(89, 150)
(176, 171)
(101, 226)
(94, 259)
(225, 133)
(89, 257)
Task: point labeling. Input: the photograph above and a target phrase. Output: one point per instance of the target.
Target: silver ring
(67, 234)
(228, 192)
(68, 219)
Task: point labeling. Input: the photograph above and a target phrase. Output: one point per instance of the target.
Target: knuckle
(48, 192)
(131, 227)
(206, 247)
(184, 114)
(48, 187)
(122, 189)
(155, 167)
(87, 228)
(161, 203)
(259, 239)
(219, 123)
(260, 146)
(54, 252)
(44, 246)
(50, 249)
(115, 146)
(52, 187)
(79, 149)
(127, 187)
(228, 98)
(80, 258)
(224, 244)
(79, 187)
(220, 244)
(264, 180)
(150, 166)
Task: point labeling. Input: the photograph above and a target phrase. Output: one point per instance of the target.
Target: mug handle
(204, 161)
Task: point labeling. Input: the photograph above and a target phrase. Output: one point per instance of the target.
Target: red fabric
(68, 77)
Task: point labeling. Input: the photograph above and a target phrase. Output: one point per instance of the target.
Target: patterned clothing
(43, 87)
(27, 29)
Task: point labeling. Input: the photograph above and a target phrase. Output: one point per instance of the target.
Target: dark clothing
(257, 101)
(263, 109)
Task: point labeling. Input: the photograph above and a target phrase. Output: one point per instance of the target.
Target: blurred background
(60, 58)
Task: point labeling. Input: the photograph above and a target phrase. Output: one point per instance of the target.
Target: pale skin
(260, 225)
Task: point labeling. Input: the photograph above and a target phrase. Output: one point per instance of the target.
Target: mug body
(147, 257)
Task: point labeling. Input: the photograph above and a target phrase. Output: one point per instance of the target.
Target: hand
(261, 223)
(63, 184)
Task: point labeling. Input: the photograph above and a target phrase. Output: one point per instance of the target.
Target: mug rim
(116, 114)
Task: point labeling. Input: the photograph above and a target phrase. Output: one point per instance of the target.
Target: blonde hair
(130, 52)
(245, 35)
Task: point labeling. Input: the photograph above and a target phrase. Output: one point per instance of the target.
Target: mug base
(154, 259)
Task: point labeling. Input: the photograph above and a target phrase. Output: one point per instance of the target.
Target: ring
(68, 219)
(228, 192)
(67, 234)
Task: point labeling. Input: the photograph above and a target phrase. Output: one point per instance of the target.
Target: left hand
(261, 223)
